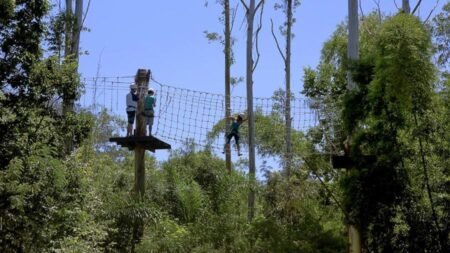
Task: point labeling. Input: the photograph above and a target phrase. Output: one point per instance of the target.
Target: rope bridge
(185, 115)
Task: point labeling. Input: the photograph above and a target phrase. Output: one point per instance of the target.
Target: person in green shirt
(234, 132)
(149, 112)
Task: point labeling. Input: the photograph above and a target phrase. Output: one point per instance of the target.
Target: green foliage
(382, 198)
(441, 32)
(6, 10)
(291, 209)
(43, 198)
(397, 115)
(43, 206)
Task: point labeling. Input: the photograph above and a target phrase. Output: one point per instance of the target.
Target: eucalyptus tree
(227, 17)
(250, 12)
(288, 8)
(73, 25)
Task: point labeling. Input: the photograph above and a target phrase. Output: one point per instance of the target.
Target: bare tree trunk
(287, 63)
(353, 38)
(227, 76)
(73, 30)
(68, 29)
(251, 120)
(353, 55)
(250, 14)
(77, 29)
(66, 105)
(405, 6)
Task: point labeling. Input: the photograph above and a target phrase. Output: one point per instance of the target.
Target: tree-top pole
(142, 79)
(354, 235)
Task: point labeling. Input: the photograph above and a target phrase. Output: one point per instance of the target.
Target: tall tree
(227, 51)
(405, 6)
(227, 43)
(73, 28)
(288, 7)
(250, 14)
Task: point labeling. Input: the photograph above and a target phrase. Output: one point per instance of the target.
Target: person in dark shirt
(234, 132)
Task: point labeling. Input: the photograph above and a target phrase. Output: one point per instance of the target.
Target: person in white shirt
(132, 99)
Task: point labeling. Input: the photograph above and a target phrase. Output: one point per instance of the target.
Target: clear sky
(168, 38)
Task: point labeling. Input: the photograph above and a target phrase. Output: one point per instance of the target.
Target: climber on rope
(132, 99)
(234, 132)
(149, 112)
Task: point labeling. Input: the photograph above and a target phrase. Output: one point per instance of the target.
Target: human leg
(131, 115)
(236, 139)
(227, 142)
(150, 125)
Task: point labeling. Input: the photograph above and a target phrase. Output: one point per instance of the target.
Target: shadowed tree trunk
(405, 6)
(353, 55)
(227, 75)
(250, 15)
(73, 27)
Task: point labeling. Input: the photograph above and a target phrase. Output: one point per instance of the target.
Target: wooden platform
(148, 142)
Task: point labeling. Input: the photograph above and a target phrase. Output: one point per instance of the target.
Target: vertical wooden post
(142, 79)
(353, 54)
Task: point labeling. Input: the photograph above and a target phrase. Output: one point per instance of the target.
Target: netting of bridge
(186, 115)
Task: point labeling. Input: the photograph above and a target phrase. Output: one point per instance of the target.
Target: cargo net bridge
(197, 117)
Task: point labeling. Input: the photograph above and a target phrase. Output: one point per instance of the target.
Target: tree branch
(338, 203)
(278, 44)
(245, 6)
(431, 12)
(426, 176)
(257, 36)
(259, 5)
(86, 13)
(233, 18)
(396, 5)
(377, 2)
(417, 7)
(361, 10)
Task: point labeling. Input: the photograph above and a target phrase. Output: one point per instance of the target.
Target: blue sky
(168, 38)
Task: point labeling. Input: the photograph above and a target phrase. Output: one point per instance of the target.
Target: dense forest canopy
(79, 198)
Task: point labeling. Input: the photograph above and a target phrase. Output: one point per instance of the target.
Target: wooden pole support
(142, 79)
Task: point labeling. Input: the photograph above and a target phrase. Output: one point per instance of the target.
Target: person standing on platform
(149, 112)
(132, 99)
